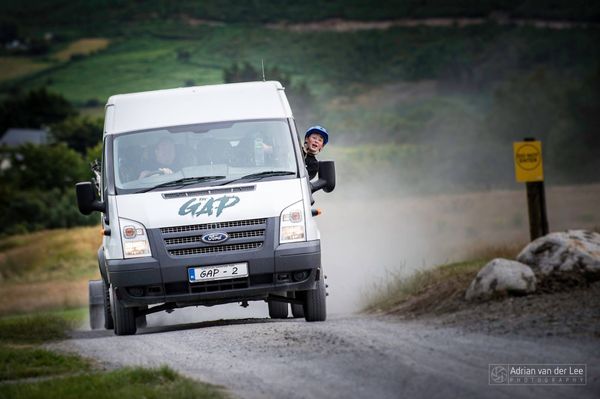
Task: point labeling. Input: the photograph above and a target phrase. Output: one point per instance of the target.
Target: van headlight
(292, 227)
(135, 239)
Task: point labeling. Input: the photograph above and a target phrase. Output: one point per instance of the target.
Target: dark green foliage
(8, 31)
(79, 133)
(34, 109)
(43, 167)
(37, 190)
(111, 16)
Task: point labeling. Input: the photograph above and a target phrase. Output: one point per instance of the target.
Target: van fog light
(299, 276)
(292, 233)
(136, 248)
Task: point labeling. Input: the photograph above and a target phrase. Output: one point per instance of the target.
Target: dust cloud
(367, 238)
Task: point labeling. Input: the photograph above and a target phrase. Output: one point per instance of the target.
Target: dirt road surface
(357, 356)
(344, 357)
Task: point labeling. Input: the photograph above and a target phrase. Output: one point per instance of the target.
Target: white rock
(501, 276)
(571, 251)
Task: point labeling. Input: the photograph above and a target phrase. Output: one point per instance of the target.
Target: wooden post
(536, 205)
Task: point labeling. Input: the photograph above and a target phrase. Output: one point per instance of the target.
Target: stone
(570, 252)
(501, 277)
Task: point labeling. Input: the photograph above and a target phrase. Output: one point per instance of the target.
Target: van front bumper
(146, 281)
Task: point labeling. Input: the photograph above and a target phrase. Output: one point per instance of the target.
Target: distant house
(15, 137)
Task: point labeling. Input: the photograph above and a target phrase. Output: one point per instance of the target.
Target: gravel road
(348, 356)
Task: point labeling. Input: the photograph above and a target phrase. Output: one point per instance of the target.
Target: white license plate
(219, 272)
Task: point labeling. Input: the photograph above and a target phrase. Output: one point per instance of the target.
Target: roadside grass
(17, 67)
(52, 255)
(36, 328)
(433, 291)
(25, 362)
(84, 46)
(28, 371)
(437, 290)
(19, 298)
(47, 270)
(124, 383)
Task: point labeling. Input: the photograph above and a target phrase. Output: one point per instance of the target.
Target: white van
(205, 200)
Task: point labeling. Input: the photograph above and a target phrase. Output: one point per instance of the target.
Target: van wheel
(314, 303)
(141, 321)
(124, 318)
(95, 303)
(297, 309)
(278, 310)
(108, 318)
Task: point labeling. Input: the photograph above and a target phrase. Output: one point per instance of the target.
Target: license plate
(219, 272)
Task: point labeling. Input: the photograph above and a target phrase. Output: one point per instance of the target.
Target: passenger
(315, 139)
(165, 159)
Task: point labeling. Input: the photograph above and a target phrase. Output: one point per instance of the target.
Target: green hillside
(104, 16)
(393, 97)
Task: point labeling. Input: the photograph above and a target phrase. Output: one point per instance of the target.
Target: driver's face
(165, 152)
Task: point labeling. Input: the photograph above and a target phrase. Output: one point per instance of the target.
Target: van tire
(124, 318)
(297, 311)
(108, 318)
(141, 320)
(315, 308)
(95, 304)
(297, 308)
(278, 310)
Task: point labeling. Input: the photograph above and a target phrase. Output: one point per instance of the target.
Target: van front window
(202, 154)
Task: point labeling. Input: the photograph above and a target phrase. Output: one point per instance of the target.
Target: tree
(34, 109)
(79, 133)
(43, 167)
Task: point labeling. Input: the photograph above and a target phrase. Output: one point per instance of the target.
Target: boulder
(564, 253)
(500, 277)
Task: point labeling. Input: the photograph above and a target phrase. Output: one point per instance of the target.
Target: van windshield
(205, 154)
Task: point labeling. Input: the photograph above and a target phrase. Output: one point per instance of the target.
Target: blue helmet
(318, 129)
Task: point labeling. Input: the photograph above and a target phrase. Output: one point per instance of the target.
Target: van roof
(192, 105)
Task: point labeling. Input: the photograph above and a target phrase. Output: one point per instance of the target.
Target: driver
(165, 159)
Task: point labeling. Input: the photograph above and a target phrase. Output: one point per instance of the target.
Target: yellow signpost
(528, 161)
(529, 169)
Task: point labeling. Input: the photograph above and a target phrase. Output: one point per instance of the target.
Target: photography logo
(498, 374)
(537, 374)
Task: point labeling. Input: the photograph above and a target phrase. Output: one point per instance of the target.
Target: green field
(30, 371)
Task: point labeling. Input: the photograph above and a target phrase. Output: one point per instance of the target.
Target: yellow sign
(528, 161)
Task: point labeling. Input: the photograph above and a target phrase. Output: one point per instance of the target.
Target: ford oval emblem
(215, 238)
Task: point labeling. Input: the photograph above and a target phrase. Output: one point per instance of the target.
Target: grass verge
(39, 327)
(51, 255)
(434, 291)
(124, 383)
(440, 289)
(19, 362)
(28, 371)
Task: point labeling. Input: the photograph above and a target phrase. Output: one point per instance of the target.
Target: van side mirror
(326, 179)
(86, 198)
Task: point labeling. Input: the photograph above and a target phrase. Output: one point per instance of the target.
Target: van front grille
(220, 248)
(238, 234)
(213, 226)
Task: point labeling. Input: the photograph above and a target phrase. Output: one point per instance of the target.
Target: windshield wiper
(183, 182)
(261, 175)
